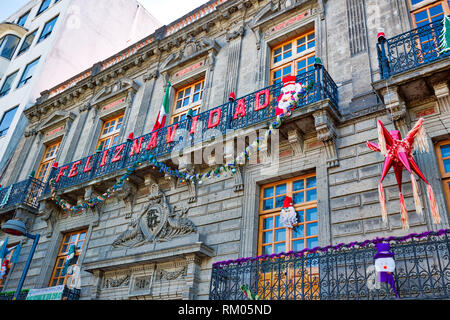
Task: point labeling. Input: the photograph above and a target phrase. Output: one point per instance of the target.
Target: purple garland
(335, 247)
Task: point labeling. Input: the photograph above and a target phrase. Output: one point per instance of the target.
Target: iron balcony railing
(24, 192)
(109, 161)
(341, 272)
(68, 294)
(411, 49)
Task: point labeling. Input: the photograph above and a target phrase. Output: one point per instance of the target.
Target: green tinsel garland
(183, 177)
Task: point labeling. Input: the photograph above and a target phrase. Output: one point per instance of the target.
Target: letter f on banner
(164, 111)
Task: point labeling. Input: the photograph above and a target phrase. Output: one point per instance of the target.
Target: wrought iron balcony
(410, 50)
(123, 155)
(341, 272)
(24, 192)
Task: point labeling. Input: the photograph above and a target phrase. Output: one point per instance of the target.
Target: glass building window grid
(8, 83)
(293, 57)
(78, 239)
(48, 29)
(47, 161)
(27, 42)
(28, 73)
(44, 6)
(6, 121)
(188, 97)
(109, 134)
(272, 237)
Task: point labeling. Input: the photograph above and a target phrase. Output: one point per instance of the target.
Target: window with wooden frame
(293, 57)
(443, 156)
(187, 97)
(109, 136)
(428, 13)
(47, 161)
(76, 238)
(273, 238)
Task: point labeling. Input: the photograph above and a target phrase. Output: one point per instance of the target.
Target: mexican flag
(164, 111)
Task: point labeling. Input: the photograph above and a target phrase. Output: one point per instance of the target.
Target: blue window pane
(298, 197)
(312, 44)
(280, 247)
(44, 5)
(445, 151)
(8, 45)
(267, 250)
(268, 237)
(421, 16)
(279, 202)
(311, 243)
(287, 47)
(287, 54)
(28, 73)
(6, 120)
(268, 204)
(23, 19)
(301, 48)
(268, 223)
(447, 165)
(281, 189)
(436, 10)
(413, 2)
(287, 71)
(280, 235)
(277, 51)
(298, 245)
(298, 232)
(311, 182)
(277, 74)
(311, 36)
(276, 59)
(298, 185)
(311, 60)
(311, 195)
(301, 64)
(311, 214)
(268, 192)
(312, 229)
(7, 84)
(48, 28)
(277, 222)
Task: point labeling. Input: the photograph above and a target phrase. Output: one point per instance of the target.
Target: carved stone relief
(156, 222)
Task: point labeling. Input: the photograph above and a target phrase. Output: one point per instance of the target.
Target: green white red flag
(164, 111)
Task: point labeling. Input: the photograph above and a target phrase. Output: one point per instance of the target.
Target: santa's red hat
(287, 202)
(232, 97)
(288, 80)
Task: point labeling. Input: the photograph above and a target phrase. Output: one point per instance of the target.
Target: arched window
(8, 45)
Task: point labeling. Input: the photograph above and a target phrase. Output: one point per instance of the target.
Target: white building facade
(48, 41)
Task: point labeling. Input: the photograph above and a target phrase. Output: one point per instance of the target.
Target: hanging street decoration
(385, 265)
(444, 43)
(398, 154)
(296, 92)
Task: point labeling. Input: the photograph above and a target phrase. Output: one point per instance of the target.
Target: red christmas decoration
(130, 136)
(232, 96)
(398, 154)
(55, 165)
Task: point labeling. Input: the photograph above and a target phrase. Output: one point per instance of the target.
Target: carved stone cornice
(152, 75)
(235, 34)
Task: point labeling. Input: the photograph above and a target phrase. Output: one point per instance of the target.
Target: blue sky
(8, 7)
(164, 11)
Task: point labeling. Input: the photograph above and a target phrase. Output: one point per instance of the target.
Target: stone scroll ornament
(385, 265)
(398, 154)
(291, 94)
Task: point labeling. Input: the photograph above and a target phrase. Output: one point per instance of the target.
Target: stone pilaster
(442, 93)
(396, 108)
(326, 132)
(234, 40)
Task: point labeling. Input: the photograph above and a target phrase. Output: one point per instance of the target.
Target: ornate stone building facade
(158, 237)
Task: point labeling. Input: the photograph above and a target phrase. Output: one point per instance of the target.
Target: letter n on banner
(136, 148)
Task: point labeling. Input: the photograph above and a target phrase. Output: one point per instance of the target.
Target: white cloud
(167, 11)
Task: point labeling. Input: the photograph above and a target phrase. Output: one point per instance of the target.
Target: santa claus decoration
(398, 154)
(289, 96)
(385, 265)
(288, 216)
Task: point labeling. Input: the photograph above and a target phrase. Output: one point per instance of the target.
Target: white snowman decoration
(385, 265)
(288, 96)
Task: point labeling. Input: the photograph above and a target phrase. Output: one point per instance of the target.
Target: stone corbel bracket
(326, 132)
(98, 209)
(48, 212)
(192, 187)
(127, 194)
(238, 179)
(296, 141)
